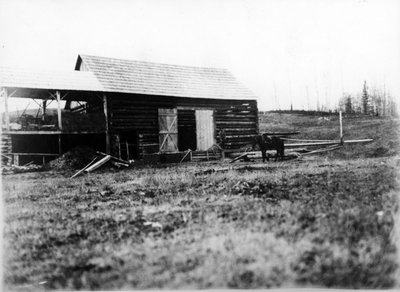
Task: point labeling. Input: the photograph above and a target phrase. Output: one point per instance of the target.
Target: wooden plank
(187, 153)
(98, 163)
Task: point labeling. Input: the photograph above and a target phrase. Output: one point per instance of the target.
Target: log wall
(238, 118)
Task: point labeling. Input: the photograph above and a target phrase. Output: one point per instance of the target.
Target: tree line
(370, 101)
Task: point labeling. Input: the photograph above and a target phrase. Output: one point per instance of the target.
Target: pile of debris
(75, 158)
(86, 160)
(101, 159)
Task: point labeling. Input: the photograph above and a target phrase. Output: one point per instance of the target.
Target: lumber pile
(99, 161)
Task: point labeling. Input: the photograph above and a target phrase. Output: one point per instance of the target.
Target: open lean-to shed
(130, 108)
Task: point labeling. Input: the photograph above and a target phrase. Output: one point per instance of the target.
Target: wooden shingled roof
(59, 80)
(126, 76)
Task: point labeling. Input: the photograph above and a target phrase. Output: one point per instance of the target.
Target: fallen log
(113, 157)
(98, 163)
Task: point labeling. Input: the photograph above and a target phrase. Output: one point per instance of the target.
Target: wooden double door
(184, 129)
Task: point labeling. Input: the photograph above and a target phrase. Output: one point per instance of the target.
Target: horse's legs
(264, 155)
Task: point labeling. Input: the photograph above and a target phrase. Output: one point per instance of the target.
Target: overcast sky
(286, 50)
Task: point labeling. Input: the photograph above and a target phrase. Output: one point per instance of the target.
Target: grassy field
(321, 221)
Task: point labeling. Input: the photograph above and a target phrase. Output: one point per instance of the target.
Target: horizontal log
(358, 141)
(228, 123)
(280, 133)
(32, 154)
(294, 145)
(66, 132)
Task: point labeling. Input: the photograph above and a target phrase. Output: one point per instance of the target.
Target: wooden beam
(51, 132)
(105, 106)
(59, 110)
(44, 109)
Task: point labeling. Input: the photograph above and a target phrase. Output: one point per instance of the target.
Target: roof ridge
(156, 63)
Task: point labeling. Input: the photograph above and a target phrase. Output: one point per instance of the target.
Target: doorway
(205, 129)
(187, 130)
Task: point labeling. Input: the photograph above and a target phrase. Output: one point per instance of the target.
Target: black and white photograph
(199, 144)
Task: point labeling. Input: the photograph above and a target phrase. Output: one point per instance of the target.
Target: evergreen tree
(348, 106)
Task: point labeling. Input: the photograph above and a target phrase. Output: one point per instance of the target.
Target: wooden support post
(6, 114)
(127, 151)
(59, 110)
(106, 118)
(43, 160)
(341, 127)
(44, 110)
(59, 144)
(16, 159)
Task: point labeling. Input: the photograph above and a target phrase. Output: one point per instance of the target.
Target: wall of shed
(238, 118)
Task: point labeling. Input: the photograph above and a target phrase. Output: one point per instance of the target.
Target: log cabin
(128, 108)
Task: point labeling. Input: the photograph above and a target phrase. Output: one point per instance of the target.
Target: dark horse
(269, 143)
